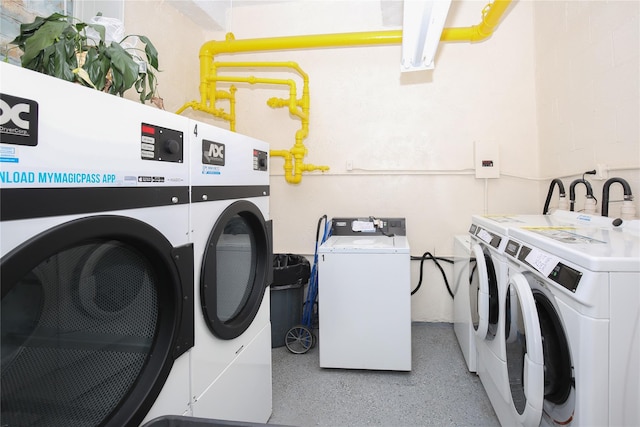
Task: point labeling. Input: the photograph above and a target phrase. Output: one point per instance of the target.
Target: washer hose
(572, 191)
(427, 255)
(554, 182)
(626, 188)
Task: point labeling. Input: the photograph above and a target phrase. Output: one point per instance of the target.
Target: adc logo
(18, 120)
(212, 153)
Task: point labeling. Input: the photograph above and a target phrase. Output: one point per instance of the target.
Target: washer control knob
(172, 146)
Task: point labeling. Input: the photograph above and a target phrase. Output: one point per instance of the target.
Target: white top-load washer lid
(502, 223)
(578, 218)
(369, 244)
(595, 249)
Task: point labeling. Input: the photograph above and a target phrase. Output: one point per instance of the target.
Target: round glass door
(525, 362)
(84, 307)
(483, 293)
(235, 269)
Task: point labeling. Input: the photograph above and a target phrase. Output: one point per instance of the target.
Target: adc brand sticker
(212, 153)
(18, 120)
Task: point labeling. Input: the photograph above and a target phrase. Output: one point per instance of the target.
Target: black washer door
(91, 322)
(236, 269)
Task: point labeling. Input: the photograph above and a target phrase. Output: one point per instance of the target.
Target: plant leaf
(83, 76)
(46, 35)
(151, 51)
(123, 67)
(56, 63)
(97, 67)
(100, 29)
(27, 29)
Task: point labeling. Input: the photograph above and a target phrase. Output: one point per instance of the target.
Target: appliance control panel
(369, 225)
(486, 236)
(260, 160)
(161, 144)
(562, 274)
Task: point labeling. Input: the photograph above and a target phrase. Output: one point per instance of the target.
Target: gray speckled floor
(439, 391)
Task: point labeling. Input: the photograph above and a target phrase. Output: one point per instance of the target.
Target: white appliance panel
(364, 308)
(230, 377)
(461, 310)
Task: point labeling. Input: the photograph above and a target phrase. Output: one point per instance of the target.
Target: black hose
(572, 191)
(605, 193)
(323, 217)
(554, 182)
(427, 255)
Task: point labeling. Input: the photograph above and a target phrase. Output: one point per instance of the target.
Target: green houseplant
(59, 46)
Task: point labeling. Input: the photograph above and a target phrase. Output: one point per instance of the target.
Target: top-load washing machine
(96, 265)
(364, 295)
(231, 234)
(573, 352)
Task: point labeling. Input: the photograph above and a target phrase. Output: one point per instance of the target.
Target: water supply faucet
(555, 182)
(572, 191)
(628, 209)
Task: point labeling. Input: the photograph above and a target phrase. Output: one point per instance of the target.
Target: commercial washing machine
(364, 295)
(96, 265)
(490, 298)
(573, 354)
(231, 233)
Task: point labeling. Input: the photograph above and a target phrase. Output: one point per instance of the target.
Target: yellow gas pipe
(294, 158)
(491, 15)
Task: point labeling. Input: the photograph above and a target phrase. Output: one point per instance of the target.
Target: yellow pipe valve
(277, 102)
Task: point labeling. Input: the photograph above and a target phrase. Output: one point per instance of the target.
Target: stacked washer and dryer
(96, 264)
(231, 235)
(491, 314)
(102, 320)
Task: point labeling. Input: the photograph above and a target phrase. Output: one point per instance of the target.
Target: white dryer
(96, 266)
(575, 343)
(231, 234)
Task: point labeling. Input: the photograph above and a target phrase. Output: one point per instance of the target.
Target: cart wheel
(299, 339)
(314, 341)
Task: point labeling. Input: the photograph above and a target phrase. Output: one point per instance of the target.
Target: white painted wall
(588, 92)
(178, 42)
(410, 137)
(529, 89)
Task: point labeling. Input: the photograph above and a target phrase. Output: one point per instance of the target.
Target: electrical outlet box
(487, 159)
(602, 171)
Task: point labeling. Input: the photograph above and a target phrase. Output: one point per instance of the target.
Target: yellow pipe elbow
(187, 105)
(491, 15)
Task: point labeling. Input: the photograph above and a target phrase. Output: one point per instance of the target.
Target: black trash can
(290, 274)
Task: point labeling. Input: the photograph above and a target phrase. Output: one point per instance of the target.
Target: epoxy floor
(439, 391)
